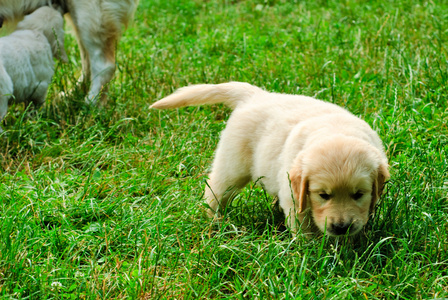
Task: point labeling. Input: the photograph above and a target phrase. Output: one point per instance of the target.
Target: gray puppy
(97, 25)
(26, 58)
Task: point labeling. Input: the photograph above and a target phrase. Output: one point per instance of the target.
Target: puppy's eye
(325, 196)
(357, 195)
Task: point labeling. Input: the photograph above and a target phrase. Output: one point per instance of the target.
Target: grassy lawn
(105, 203)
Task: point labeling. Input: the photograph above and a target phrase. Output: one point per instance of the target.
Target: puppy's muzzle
(342, 228)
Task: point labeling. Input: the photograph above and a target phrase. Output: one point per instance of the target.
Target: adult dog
(326, 165)
(98, 26)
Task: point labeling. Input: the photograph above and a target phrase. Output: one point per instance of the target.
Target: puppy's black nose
(339, 228)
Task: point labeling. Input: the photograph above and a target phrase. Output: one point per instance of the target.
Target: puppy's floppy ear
(378, 184)
(299, 186)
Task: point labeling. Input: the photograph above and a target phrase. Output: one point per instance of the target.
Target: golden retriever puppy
(26, 58)
(98, 26)
(326, 166)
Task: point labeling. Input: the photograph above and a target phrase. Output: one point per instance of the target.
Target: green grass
(106, 203)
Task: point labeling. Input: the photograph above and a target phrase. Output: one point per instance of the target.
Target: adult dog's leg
(97, 43)
(84, 80)
(98, 25)
(102, 68)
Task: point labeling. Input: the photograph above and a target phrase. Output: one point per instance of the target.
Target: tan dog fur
(327, 166)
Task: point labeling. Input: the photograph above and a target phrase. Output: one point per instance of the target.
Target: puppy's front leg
(3, 109)
(6, 90)
(302, 221)
(291, 218)
(3, 106)
(295, 220)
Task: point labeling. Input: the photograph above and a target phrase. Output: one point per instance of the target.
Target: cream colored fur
(98, 27)
(327, 166)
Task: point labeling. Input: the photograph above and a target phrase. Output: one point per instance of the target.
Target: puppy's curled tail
(230, 93)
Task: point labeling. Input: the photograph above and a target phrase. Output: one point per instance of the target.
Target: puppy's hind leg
(220, 189)
(230, 173)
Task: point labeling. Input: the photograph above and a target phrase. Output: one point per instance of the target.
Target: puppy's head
(50, 23)
(339, 180)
